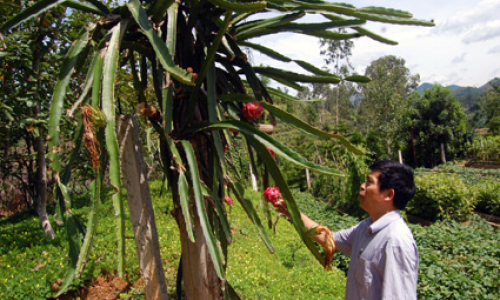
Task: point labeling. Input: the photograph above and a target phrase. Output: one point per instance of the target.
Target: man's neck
(378, 214)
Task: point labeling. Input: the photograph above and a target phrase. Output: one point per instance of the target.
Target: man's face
(370, 195)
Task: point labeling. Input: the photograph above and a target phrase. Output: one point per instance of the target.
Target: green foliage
(342, 193)
(458, 261)
(441, 197)
(488, 197)
(436, 118)
(384, 99)
(492, 107)
(482, 184)
(485, 148)
(468, 175)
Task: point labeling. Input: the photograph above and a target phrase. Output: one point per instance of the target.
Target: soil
(106, 287)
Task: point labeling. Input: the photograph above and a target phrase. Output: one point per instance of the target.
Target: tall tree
(384, 98)
(492, 106)
(203, 86)
(438, 124)
(337, 54)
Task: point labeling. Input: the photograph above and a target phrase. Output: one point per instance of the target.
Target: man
(384, 255)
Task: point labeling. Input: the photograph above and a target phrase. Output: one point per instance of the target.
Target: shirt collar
(385, 220)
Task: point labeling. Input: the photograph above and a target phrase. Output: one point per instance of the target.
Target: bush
(485, 148)
(441, 197)
(488, 197)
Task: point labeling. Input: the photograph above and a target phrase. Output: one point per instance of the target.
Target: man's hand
(329, 245)
(319, 233)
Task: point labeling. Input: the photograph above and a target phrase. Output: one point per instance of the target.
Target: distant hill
(467, 96)
(424, 86)
(454, 87)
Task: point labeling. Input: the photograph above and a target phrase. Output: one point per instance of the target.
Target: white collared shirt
(384, 259)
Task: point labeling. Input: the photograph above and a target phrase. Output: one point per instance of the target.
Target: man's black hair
(398, 177)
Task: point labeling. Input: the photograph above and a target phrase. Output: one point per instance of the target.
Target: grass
(30, 263)
(290, 273)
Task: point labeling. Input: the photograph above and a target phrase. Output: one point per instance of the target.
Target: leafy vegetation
(488, 197)
(485, 148)
(436, 128)
(458, 261)
(482, 187)
(441, 197)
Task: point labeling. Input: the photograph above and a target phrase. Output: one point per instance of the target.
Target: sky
(463, 48)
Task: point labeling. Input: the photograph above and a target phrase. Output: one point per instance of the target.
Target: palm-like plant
(202, 79)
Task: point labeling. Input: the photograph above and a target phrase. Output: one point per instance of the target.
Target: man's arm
(308, 223)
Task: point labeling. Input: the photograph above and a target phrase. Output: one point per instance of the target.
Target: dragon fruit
(272, 195)
(252, 110)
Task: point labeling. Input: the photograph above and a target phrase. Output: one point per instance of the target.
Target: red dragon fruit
(229, 201)
(252, 110)
(272, 195)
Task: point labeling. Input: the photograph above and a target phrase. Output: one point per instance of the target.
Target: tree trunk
(39, 145)
(308, 179)
(198, 272)
(414, 150)
(254, 179)
(133, 169)
(41, 179)
(400, 156)
(443, 153)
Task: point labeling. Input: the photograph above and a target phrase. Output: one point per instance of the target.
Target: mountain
(454, 87)
(424, 86)
(467, 96)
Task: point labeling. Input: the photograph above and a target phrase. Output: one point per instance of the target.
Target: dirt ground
(107, 287)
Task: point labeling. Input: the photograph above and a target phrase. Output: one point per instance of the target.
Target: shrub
(488, 197)
(441, 197)
(485, 148)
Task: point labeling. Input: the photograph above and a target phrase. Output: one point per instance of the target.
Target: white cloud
(494, 50)
(474, 24)
(483, 32)
(495, 73)
(468, 20)
(460, 58)
(448, 79)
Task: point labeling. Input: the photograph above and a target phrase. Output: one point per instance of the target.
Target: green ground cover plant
(458, 261)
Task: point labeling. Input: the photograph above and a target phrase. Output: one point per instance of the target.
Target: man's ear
(389, 194)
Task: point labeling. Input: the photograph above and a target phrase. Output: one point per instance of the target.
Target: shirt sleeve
(344, 240)
(400, 273)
